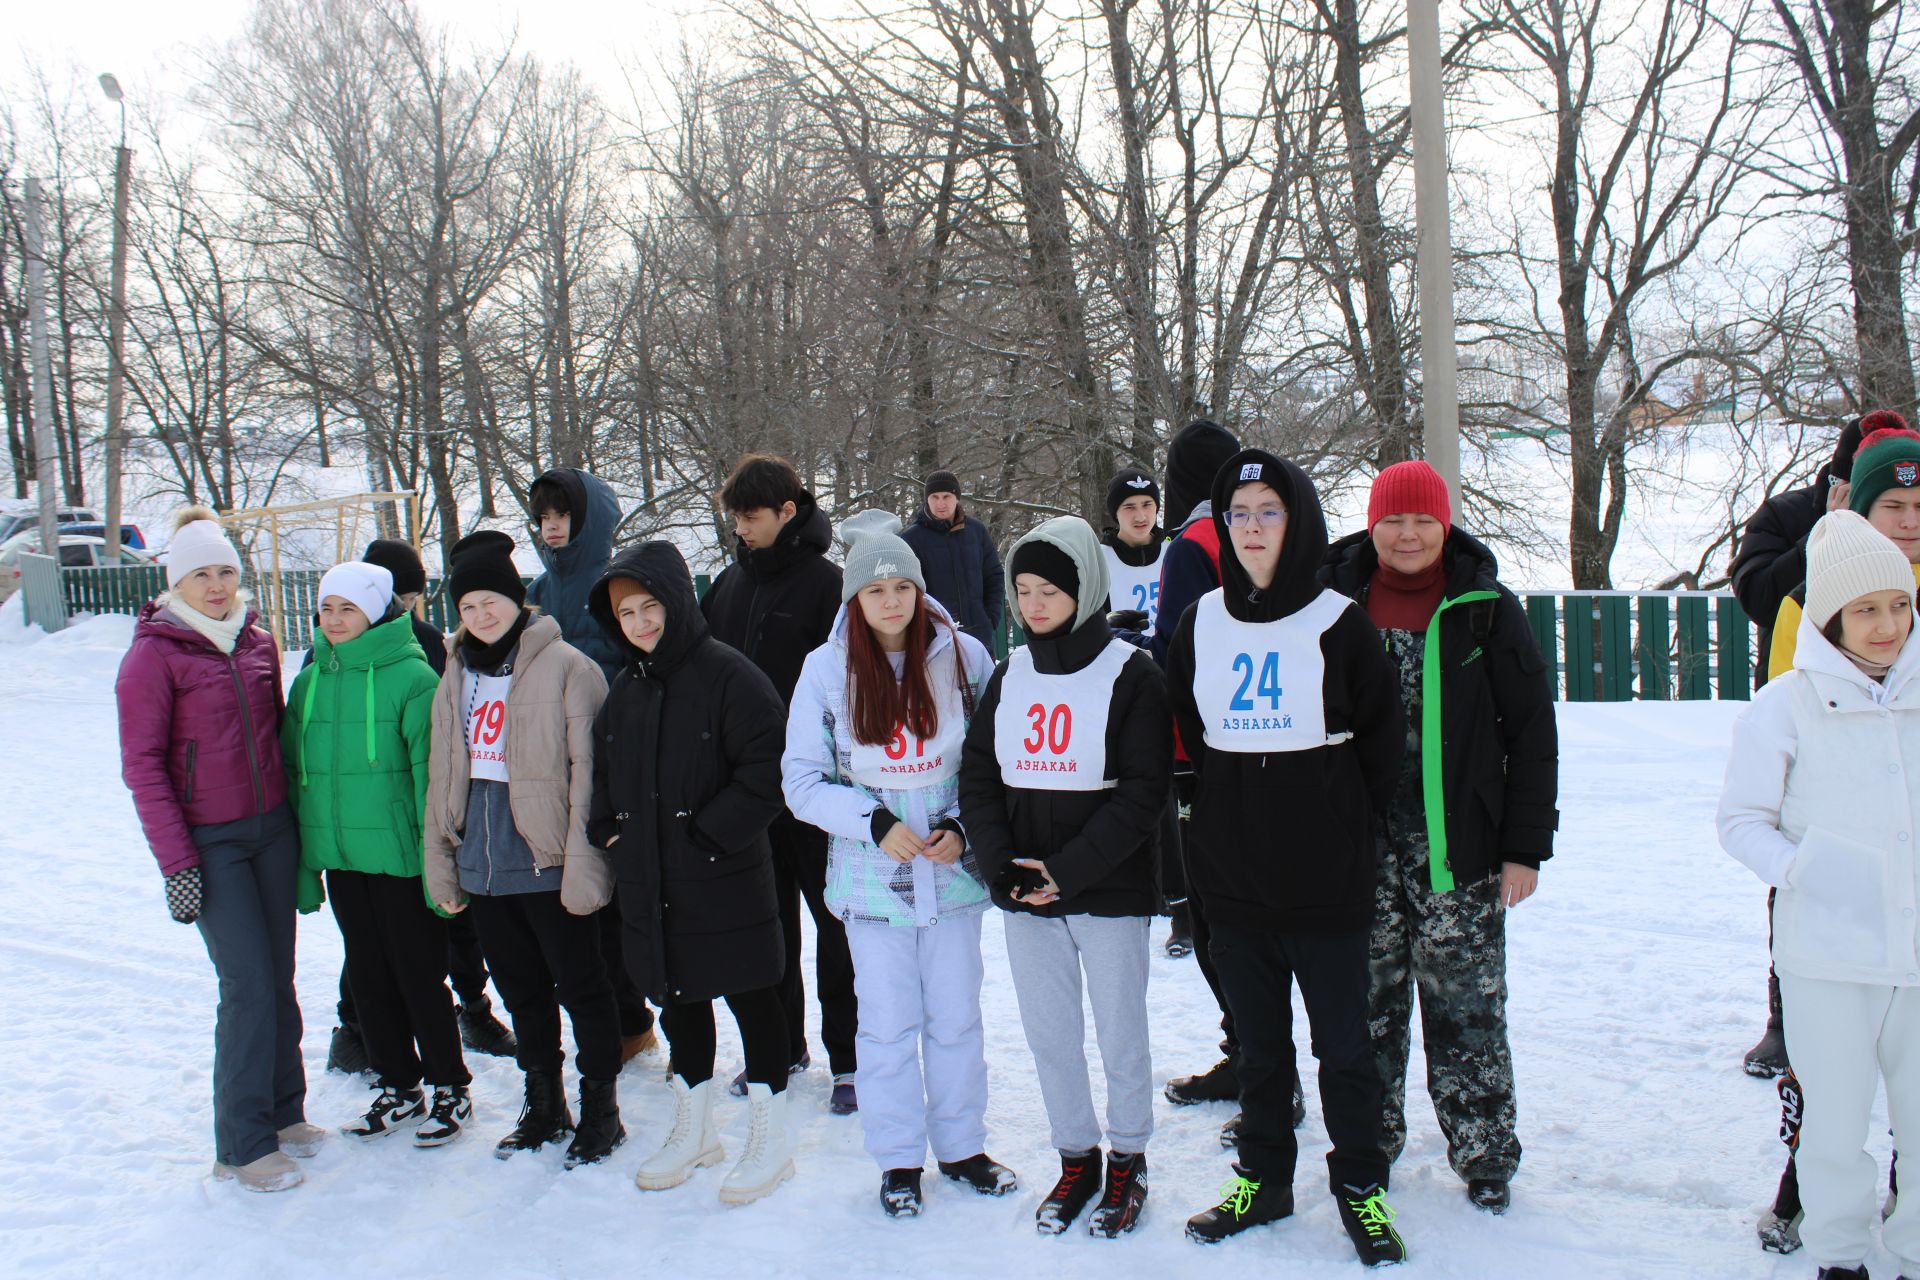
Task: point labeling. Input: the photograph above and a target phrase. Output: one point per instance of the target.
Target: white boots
(769, 1158)
(694, 1144)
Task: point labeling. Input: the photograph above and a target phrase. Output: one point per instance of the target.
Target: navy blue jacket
(572, 570)
(963, 571)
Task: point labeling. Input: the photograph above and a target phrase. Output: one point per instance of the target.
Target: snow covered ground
(1637, 974)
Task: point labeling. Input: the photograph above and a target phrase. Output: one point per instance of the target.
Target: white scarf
(222, 633)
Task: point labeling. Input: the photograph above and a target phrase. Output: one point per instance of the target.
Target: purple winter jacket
(199, 731)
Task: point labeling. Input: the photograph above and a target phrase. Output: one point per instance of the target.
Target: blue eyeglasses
(1269, 518)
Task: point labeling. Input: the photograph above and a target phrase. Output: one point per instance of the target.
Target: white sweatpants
(1842, 1037)
(922, 1077)
(1047, 956)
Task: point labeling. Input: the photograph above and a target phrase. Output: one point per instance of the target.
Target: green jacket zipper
(1433, 786)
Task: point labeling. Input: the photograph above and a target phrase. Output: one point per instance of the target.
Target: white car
(77, 550)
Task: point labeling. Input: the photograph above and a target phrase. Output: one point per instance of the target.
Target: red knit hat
(1409, 486)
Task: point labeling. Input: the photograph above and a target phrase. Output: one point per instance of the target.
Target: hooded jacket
(1807, 807)
(962, 569)
(356, 739)
(572, 570)
(686, 778)
(1486, 732)
(1100, 840)
(199, 731)
(777, 604)
(1282, 834)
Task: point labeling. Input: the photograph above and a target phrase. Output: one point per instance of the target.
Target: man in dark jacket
(776, 603)
(957, 556)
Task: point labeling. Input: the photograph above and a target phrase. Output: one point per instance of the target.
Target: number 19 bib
(487, 726)
(1050, 731)
(1259, 684)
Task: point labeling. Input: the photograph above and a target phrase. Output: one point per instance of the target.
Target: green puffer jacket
(356, 738)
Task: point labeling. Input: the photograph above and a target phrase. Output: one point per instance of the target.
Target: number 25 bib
(1050, 731)
(1259, 685)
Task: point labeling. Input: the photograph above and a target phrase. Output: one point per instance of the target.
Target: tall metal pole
(117, 327)
(1439, 377)
(43, 446)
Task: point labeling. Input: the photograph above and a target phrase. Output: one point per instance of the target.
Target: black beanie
(1841, 468)
(1193, 459)
(1131, 483)
(1049, 561)
(400, 560)
(943, 482)
(483, 561)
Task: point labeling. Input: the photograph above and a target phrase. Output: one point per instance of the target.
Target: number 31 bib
(1259, 685)
(1050, 731)
(907, 763)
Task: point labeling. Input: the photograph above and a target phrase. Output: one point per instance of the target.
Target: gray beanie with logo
(876, 551)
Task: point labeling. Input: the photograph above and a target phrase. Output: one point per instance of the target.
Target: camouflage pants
(1452, 948)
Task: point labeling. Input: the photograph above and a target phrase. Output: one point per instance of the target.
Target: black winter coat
(1772, 557)
(1101, 847)
(1499, 747)
(1285, 840)
(777, 604)
(962, 570)
(686, 778)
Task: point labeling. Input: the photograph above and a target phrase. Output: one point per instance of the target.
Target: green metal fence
(1599, 646)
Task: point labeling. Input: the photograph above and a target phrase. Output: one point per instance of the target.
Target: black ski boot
(347, 1052)
(1125, 1196)
(900, 1193)
(600, 1129)
(983, 1173)
(1219, 1083)
(1245, 1201)
(1079, 1183)
(543, 1119)
(481, 1032)
(1368, 1218)
(1768, 1058)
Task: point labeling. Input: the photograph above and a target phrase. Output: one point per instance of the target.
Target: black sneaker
(392, 1111)
(900, 1193)
(1494, 1195)
(1230, 1131)
(1124, 1198)
(347, 1052)
(983, 1173)
(1079, 1182)
(1219, 1083)
(1368, 1218)
(481, 1032)
(451, 1111)
(1244, 1202)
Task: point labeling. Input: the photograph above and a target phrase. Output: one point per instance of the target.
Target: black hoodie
(777, 604)
(686, 778)
(1282, 834)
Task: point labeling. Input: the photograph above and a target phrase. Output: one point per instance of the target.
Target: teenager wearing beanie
(356, 741)
(686, 778)
(1289, 706)
(509, 784)
(1472, 817)
(1062, 786)
(1798, 809)
(957, 555)
(1132, 547)
(874, 733)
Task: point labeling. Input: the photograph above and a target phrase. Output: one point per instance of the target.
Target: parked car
(13, 520)
(130, 535)
(77, 551)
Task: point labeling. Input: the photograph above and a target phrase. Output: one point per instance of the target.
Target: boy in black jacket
(1291, 713)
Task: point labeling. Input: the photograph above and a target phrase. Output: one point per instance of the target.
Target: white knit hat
(367, 587)
(1848, 558)
(876, 551)
(197, 543)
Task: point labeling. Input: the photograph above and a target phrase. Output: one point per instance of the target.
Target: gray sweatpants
(1047, 957)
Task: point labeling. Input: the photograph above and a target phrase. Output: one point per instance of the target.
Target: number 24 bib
(1259, 685)
(1050, 731)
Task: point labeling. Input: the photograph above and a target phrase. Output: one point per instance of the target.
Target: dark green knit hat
(1888, 459)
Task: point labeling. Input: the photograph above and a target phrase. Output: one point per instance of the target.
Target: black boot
(481, 1032)
(1494, 1195)
(983, 1173)
(1179, 942)
(346, 1052)
(1124, 1198)
(1245, 1202)
(543, 1119)
(900, 1193)
(1768, 1058)
(1368, 1218)
(1844, 1273)
(600, 1128)
(1219, 1083)
(1079, 1183)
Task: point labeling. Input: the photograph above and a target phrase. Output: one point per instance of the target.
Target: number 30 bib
(1050, 731)
(1259, 685)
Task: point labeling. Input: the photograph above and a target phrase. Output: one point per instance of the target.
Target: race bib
(1050, 731)
(1134, 586)
(1259, 686)
(487, 726)
(906, 762)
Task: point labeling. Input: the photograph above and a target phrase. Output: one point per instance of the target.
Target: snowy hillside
(1638, 981)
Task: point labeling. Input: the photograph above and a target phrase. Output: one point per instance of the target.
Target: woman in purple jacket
(200, 705)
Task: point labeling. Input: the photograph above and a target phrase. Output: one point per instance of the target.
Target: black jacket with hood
(1101, 846)
(777, 604)
(1285, 840)
(572, 570)
(686, 773)
(1498, 748)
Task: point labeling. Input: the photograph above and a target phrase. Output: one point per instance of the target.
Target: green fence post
(1735, 647)
(1650, 653)
(1576, 614)
(1616, 648)
(1543, 615)
(702, 583)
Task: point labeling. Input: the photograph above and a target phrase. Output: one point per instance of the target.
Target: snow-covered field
(1637, 974)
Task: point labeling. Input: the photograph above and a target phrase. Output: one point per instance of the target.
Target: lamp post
(1439, 377)
(117, 324)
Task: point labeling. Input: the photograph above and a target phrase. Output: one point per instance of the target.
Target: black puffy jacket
(777, 604)
(686, 775)
(1772, 557)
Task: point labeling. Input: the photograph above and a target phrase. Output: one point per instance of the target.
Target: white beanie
(875, 552)
(367, 587)
(197, 543)
(1848, 558)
